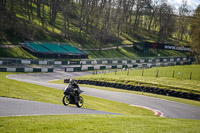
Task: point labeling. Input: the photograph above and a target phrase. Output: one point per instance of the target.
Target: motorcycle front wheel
(66, 100)
(80, 102)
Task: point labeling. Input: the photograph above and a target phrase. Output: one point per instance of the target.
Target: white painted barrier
(119, 66)
(57, 62)
(70, 69)
(140, 65)
(25, 61)
(130, 66)
(11, 69)
(43, 62)
(84, 68)
(124, 62)
(83, 62)
(28, 69)
(94, 62)
(104, 62)
(164, 60)
(108, 67)
(157, 60)
(157, 64)
(133, 61)
(96, 67)
(44, 70)
(114, 62)
(141, 61)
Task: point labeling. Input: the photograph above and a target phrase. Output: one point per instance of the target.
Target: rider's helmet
(71, 81)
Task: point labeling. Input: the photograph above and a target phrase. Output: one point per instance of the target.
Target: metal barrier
(102, 61)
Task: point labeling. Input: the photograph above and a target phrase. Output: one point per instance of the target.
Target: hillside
(82, 25)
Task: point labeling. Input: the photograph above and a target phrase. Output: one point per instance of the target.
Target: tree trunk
(68, 28)
(31, 8)
(151, 19)
(3, 5)
(65, 29)
(38, 8)
(28, 10)
(50, 12)
(43, 15)
(11, 5)
(136, 16)
(80, 20)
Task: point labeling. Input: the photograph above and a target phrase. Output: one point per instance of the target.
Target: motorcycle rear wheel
(80, 102)
(66, 100)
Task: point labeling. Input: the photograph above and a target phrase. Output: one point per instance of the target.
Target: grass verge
(149, 78)
(137, 120)
(97, 123)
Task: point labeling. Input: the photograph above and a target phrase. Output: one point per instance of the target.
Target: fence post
(143, 72)
(157, 73)
(115, 71)
(190, 75)
(173, 74)
(16, 62)
(128, 72)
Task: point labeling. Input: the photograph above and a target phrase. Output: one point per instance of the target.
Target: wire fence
(168, 72)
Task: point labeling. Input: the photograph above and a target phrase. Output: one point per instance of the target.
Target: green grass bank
(136, 120)
(97, 123)
(173, 77)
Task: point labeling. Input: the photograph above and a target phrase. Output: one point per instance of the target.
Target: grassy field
(16, 52)
(130, 53)
(178, 72)
(135, 120)
(97, 124)
(180, 81)
(33, 30)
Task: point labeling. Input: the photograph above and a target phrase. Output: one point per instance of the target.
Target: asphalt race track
(168, 108)
(19, 107)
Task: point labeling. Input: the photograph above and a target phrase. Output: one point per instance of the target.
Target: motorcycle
(72, 96)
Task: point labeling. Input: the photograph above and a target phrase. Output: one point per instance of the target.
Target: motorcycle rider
(74, 86)
(73, 83)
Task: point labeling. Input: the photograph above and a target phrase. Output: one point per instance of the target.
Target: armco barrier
(154, 90)
(26, 69)
(18, 62)
(135, 65)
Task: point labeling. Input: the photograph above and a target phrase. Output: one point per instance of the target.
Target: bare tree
(166, 22)
(54, 8)
(2, 5)
(38, 8)
(183, 20)
(153, 9)
(81, 20)
(66, 13)
(195, 33)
